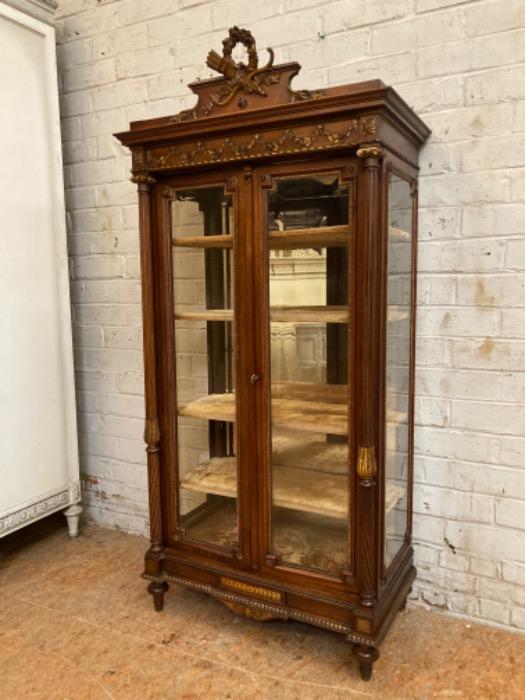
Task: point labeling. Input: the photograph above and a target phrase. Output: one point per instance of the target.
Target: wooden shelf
(223, 241)
(296, 488)
(290, 314)
(319, 237)
(278, 314)
(295, 412)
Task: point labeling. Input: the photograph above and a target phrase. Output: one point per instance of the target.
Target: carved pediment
(243, 85)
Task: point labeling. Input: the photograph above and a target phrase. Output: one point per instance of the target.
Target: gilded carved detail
(249, 589)
(311, 138)
(372, 150)
(366, 464)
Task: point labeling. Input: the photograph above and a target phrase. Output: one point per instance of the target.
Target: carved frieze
(256, 145)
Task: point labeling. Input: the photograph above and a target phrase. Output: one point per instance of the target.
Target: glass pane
(397, 363)
(205, 363)
(309, 372)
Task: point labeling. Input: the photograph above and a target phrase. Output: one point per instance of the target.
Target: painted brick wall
(461, 66)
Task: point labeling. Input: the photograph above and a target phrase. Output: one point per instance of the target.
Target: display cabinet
(278, 251)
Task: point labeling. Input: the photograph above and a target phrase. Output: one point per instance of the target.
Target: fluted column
(151, 427)
(367, 377)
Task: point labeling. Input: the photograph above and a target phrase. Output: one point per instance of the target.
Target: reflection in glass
(308, 281)
(205, 365)
(399, 296)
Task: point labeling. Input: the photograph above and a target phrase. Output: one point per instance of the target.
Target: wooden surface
(304, 489)
(319, 237)
(314, 416)
(290, 314)
(280, 314)
(362, 134)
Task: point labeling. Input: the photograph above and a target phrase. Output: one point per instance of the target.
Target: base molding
(29, 513)
(267, 609)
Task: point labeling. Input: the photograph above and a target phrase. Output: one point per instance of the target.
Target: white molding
(43, 10)
(33, 512)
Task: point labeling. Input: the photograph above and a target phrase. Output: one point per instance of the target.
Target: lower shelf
(303, 539)
(311, 490)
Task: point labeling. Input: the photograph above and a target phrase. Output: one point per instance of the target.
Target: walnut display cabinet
(278, 251)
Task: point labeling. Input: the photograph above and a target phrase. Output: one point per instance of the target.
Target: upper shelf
(291, 314)
(320, 237)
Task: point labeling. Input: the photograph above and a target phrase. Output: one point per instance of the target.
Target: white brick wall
(461, 66)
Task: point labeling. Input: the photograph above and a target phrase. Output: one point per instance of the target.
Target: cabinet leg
(366, 656)
(72, 515)
(157, 590)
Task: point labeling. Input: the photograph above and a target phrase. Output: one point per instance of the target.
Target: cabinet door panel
(306, 223)
(203, 229)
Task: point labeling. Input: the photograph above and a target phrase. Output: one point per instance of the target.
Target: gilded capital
(371, 150)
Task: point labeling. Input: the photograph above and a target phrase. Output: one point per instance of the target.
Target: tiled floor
(76, 623)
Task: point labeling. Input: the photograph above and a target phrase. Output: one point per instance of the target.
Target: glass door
(308, 236)
(204, 234)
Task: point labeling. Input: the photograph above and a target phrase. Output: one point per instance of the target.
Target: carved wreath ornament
(249, 78)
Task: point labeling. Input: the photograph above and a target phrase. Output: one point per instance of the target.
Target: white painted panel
(38, 452)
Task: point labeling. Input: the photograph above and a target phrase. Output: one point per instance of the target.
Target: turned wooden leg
(366, 656)
(157, 590)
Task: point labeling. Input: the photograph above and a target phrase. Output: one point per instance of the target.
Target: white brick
(481, 478)
(493, 542)
(394, 68)
(433, 94)
(483, 566)
(183, 24)
(430, 411)
(497, 612)
(440, 223)
(453, 189)
(493, 220)
(517, 618)
(455, 505)
(486, 417)
(515, 573)
(435, 290)
(512, 452)
(511, 514)
(140, 63)
(453, 444)
(99, 267)
(496, 153)
(496, 16)
(89, 76)
(491, 290)
(462, 56)
(470, 122)
(417, 31)
(432, 470)
(345, 15)
(461, 256)
(465, 321)
(499, 85)
(460, 384)
(488, 354)
(453, 560)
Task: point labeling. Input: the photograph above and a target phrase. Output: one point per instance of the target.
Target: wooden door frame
(262, 179)
(165, 357)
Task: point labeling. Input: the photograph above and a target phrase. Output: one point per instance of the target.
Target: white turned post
(72, 514)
